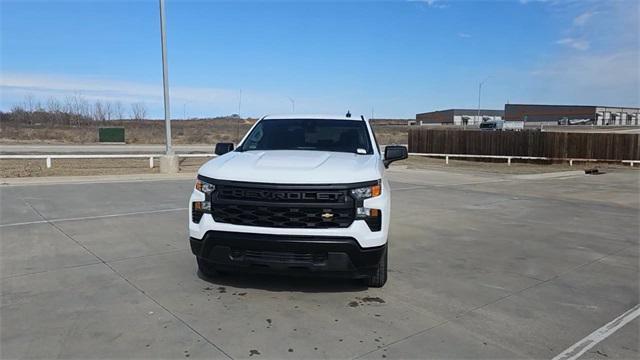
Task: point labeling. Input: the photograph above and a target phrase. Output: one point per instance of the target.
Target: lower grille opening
(279, 257)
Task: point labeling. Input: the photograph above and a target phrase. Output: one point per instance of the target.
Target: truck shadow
(278, 283)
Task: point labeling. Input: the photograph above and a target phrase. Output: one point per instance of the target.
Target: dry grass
(208, 131)
(80, 167)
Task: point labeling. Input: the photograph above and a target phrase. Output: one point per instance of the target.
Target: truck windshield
(348, 136)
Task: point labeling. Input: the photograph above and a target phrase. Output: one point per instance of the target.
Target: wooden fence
(602, 146)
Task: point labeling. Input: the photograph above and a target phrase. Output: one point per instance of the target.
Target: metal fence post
(446, 160)
(151, 162)
(48, 162)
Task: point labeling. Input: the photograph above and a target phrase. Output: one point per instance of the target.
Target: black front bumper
(288, 254)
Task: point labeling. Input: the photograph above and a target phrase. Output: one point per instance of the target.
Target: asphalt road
(480, 267)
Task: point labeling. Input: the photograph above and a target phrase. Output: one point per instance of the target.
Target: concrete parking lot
(481, 266)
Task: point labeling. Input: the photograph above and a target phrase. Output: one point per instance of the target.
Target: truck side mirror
(394, 153)
(223, 148)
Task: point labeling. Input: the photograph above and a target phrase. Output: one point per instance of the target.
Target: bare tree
(118, 109)
(54, 105)
(98, 111)
(29, 102)
(78, 107)
(54, 110)
(138, 111)
(39, 107)
(108, 110)
(19, 113)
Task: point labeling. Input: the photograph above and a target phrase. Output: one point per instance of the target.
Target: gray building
(458, 117)
(572, 114)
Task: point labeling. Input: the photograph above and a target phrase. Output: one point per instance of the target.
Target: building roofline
(476, 110)
(570, 105)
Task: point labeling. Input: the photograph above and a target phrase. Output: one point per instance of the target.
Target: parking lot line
(582, 346)
(94, 217)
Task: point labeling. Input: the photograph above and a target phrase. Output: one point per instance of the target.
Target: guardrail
(49, 158)
(508, 158)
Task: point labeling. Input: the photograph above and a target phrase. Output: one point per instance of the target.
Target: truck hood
(294, 167)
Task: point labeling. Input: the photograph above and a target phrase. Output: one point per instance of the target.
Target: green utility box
(111, 134)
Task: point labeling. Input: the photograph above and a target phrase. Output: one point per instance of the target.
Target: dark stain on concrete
(601, 353)
(367, 300)
(254, 352)
(371, 299)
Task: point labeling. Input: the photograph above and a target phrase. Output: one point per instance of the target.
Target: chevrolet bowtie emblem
(327, 216)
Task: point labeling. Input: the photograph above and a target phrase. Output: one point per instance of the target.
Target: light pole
(184, 110)
(480, 94)
(238, 119)
(293, 104)
(165, 81)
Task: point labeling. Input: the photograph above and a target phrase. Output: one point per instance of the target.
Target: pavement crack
(464, 313)
(127, 280)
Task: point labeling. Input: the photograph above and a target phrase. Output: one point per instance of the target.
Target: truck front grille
(304, 207)
(283, 217)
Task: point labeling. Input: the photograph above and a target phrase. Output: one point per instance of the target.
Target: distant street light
(238, 119)
(480, 94)
(184, 110)
(293, 104)
(165, 81)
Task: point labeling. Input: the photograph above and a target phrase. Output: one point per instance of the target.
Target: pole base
(169, 164)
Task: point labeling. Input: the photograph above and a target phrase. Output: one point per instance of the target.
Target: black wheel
(206, 268)
(379, 277)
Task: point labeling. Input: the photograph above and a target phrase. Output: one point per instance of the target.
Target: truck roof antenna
(348, 114)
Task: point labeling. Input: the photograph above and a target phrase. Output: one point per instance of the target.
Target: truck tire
(379, 277)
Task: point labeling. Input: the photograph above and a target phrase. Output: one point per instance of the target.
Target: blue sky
(398, 58)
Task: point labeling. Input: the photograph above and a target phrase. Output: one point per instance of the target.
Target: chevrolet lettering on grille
(282, 195)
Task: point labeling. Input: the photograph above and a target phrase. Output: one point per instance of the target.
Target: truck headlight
(367, 192)
(198, 208)
(204, 187)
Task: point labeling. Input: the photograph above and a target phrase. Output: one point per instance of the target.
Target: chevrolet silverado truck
(301, 194)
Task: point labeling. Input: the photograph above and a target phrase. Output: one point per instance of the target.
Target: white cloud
(583, 18)
(578, 44)
(524, 2)
(603, 79)
(464, 35)
(437, 4)
(202, 100)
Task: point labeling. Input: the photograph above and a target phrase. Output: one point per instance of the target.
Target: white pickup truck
(301, 194)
